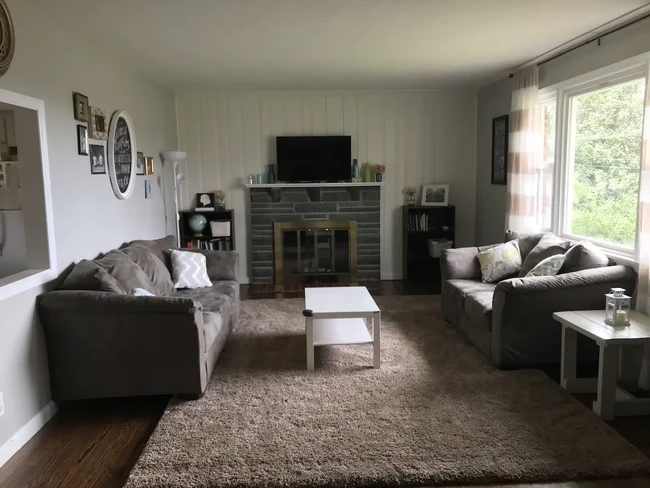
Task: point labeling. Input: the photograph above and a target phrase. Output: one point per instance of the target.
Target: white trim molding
(26, 432)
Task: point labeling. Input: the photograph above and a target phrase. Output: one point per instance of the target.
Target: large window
(591, 157)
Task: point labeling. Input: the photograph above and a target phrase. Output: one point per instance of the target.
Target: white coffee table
(612, 401)
(337, 316)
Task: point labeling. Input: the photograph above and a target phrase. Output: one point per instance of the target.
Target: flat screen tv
(314, 158)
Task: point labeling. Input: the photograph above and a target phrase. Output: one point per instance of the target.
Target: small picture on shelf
(435, 195)
(204, 202)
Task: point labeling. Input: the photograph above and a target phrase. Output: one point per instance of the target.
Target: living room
(155, 148)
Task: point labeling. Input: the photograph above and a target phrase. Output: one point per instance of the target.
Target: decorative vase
(197, 223)
(367, 173)
(379, 177)
(356, 171)
(270, 176)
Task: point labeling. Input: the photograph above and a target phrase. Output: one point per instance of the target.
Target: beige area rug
(436, 412)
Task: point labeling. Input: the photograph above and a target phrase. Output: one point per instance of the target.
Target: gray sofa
(104, 342)
(511, 321)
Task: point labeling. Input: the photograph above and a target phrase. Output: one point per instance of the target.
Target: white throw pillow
(500, 261)
(189, 270)
(548, 267)
(141, 292)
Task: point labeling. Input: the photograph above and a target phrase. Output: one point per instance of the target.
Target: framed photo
(140, 164)
(97, 159)
(148, 166)
(98, 125)
(81, 108)
(500, 150)
(82, 140)
(204, 201)
(435, 195)
(148, 192)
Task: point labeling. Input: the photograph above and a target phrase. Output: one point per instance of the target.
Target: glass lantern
(617, 309)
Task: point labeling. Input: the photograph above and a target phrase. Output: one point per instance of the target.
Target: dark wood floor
(95, 444)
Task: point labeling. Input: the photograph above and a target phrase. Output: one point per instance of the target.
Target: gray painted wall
(50, 64)
(494, 100)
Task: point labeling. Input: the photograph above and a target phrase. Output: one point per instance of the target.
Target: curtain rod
(589, 41)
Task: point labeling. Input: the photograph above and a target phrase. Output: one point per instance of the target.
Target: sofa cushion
(500, 262)
(479, 303)
(583, 255)
(159, 247)
(549, 245)
(125, 271)
(89, 276)
(526, 241)
(459, 289)
(153, 267)
(221, 297)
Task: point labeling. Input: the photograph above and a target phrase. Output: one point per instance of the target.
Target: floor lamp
(174, 157)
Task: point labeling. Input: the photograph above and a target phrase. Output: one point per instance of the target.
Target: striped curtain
(524, 153)
(643, 244)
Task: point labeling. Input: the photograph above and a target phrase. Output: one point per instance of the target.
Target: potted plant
(410, 193)
(379, 172)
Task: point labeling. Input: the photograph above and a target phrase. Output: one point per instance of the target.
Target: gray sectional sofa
(104, 342)
(511, 321)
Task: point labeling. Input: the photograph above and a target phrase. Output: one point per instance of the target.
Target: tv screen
(314, 158)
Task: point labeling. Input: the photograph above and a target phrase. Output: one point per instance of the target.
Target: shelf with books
(224, 241)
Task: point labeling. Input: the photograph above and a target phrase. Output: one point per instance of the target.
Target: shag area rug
(437, 412)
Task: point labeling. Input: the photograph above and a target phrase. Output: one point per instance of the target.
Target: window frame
(625, 71)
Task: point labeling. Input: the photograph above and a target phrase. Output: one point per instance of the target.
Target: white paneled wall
(421, 137)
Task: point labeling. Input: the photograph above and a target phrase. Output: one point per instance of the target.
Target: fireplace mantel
(311, 185)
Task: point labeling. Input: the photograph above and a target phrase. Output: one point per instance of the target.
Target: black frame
(82, 129)
(503, 142)
(139, 159)
(92, 169)
(81, 107)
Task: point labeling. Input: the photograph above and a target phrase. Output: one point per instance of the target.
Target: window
(588, 175)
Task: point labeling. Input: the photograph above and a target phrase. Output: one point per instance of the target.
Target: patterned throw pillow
(189, 270)
(499, 262)
(548, 267)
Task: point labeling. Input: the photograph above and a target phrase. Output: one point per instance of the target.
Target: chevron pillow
(189, 270)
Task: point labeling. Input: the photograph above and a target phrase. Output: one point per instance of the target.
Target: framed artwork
(122, 154)
(97, 159)
(500, 150)
(81, 108)
(140, 164)
(98, 125)
(204, 201)
(82, 140)
(435, 195)
(148, 166)
(148, 191)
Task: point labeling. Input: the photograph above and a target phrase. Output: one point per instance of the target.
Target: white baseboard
(26, 432)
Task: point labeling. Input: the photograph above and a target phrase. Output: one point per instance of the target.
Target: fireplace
(315, 251)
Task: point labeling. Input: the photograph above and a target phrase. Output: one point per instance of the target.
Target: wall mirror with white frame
(27, 256)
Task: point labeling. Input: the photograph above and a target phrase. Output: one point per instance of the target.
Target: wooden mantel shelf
(311, 185)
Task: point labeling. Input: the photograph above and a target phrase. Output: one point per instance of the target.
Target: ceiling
(331, 44)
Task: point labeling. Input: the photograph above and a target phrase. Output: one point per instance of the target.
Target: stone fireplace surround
(336, 202)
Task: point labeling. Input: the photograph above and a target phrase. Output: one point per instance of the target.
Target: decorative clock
(122, 154)
(7, 38)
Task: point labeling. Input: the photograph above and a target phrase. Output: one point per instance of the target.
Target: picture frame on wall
(140, 164)
(435, 195)
(97, 159)
(148, 166)
(82, 140)
(500, 150)
(81, 107)
(98, 125)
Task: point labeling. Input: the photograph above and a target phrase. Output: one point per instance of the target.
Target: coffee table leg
(568, 360)
(309, 323)
(376, 337)
(605, 404)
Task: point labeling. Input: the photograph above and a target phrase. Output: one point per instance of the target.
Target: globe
(197, 223)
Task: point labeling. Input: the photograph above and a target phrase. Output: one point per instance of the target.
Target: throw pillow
(500, 262)
(548, 245)
(153, 267)
(584, 255)
(526, 241)
(547, 267)
(125, 271)
(189, 270)
(141, 292)
(86, 275)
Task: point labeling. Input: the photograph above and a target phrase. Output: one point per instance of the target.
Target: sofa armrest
(222, 265)
(460, 264)
(524, 333)
(104, 344)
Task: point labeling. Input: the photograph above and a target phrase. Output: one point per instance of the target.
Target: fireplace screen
(306, 251)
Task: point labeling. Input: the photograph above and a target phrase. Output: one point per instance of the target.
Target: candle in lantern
(621, 316)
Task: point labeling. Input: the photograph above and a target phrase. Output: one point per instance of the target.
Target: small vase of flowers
(410, 193)
(220, 195)
(379, 172)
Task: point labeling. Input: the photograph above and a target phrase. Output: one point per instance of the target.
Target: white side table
(611, 401)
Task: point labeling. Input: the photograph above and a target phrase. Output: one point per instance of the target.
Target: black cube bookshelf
(205, 240)
(419, 224)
